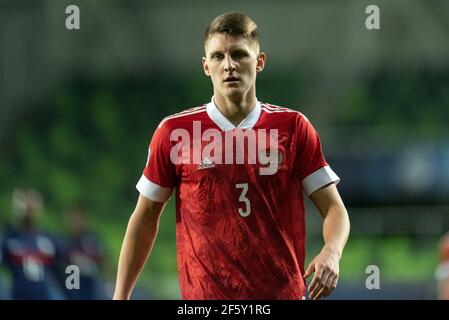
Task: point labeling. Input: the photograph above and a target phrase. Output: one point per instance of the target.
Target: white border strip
(182, 114)
(153, 191)
(270, 109)
(319, 179)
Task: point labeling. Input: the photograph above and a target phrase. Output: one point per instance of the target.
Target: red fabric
(444, 248)
(222, 255)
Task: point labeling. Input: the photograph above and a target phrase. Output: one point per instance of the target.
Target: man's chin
(233, 89)
(233, 93)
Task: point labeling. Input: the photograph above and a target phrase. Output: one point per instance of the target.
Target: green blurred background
(77, 110)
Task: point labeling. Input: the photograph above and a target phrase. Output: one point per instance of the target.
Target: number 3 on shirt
(243, 198)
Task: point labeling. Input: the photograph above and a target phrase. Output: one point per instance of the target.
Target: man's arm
(335, 233)
(139, 239)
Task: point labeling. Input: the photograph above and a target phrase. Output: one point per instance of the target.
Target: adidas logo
(206, 164)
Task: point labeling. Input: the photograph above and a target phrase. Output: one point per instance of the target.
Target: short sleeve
(158, 178)
(314, 171)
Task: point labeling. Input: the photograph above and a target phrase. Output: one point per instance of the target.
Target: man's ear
(261, 60)
(205, 66)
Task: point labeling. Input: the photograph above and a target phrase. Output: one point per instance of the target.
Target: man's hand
(335, 234)
(326, 268)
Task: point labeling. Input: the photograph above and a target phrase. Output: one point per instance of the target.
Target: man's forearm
(336, 229)
(139, 239)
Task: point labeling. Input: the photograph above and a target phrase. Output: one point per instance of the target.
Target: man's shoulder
(187, 115)
(272, 110)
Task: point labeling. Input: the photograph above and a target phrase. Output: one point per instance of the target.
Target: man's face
(232, 64)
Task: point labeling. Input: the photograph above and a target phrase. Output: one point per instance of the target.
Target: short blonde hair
(234, 24)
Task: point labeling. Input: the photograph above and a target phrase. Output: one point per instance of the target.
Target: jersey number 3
(244, 199)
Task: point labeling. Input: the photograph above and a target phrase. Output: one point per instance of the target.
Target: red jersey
(240, 225)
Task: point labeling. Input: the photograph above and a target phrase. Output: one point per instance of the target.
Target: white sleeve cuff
(318, 179)
(153, 191)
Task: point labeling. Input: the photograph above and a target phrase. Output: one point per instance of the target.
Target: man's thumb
(309, 270)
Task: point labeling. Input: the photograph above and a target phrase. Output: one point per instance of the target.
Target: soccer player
(239, 167)
(31, 256)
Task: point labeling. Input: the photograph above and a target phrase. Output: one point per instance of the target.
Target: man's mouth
(231, 79)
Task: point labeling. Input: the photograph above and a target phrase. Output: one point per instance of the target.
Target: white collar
(224, 124)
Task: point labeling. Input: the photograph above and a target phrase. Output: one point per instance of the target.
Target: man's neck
(235, 109)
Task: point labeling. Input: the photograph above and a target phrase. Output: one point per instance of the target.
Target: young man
(238, 166)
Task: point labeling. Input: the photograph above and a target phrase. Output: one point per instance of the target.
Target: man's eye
(239, 55)
(217, 56)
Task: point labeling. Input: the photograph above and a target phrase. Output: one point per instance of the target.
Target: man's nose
(229, 64)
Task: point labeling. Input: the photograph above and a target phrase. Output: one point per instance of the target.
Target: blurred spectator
(442, 272)
(31, 256)
(85, 250)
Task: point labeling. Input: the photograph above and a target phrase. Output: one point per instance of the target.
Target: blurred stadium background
(77, 110)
